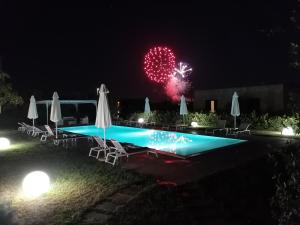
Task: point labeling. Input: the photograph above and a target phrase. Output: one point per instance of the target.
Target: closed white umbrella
(55, 115)
(103, 118)
(235, 108)
(183, 109)
(32, 111)
(147, 106)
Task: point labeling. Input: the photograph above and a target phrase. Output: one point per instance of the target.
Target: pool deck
(173, 171)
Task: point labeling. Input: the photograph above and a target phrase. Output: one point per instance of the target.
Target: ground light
(141, 120)
(35, 184)
(194, 124)
(4, 143)
(287, 131)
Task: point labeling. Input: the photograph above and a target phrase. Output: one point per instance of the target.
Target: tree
(7, 94)
(293, 29)
(285, 202)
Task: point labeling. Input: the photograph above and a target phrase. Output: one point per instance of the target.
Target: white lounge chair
(100, 148)
(61, 138)
(24, 127)
(50, 134)
(21, 127)
(37, 131)
(119, 152)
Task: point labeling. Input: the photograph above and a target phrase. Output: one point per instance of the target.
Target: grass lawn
(77, 181)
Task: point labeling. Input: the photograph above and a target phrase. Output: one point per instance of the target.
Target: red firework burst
(159, 64)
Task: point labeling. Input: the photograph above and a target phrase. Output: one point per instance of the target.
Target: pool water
(181, 144)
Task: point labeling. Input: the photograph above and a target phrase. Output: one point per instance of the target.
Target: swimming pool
(181, 144)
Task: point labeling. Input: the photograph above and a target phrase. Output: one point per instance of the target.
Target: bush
(159, 117)
(259, 122)
(203, 119)
(275, 123)
(173, 117)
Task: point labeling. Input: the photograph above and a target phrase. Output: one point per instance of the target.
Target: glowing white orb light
(35, 184)
(194, 124)
(4, 143)
(141, 120)
(287, 131)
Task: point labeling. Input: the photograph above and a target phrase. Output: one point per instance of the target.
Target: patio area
(173, 171)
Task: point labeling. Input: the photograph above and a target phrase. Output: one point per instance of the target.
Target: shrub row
(259, 122)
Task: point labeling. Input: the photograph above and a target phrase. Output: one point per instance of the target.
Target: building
(261, 98)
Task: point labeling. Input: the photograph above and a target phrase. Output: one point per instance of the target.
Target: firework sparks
(160, 67)
(176, 87)
(183, 70)
(159, 64)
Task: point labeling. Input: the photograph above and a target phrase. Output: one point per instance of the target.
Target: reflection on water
(162, 140)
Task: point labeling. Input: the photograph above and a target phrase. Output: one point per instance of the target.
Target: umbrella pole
(56, 129)
(33, 127)
(234, 122)
(104, 137)
(104, 143)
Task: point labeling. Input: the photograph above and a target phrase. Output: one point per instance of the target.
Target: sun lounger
(48, 134)
(118, 152)
(21, 127)
(51, 134)
(150, 124)
(220, 126)
(180, 126)
(165, 127)
(24, 127)
(100, 148)
(37, 131)
(175, 127)
(61, 137)
(242, 129)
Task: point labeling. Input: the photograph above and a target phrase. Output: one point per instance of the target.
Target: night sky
(74, 48)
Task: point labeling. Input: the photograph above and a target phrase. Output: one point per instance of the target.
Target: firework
(159, 64)
(176, 87)
(183, 70)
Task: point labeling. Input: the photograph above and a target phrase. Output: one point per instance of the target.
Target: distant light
(194, 124)
(287, 131)
(141, 120)
(4, 143)
(35, 184)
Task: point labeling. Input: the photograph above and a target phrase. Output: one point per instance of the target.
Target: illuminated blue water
(181, 144)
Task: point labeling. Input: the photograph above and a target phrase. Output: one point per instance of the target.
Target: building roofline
(239, 87)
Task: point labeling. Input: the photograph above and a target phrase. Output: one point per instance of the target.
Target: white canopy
(147, 106)
(32, 111)
(103, 118)
(55, 115)
(235, 108)
(183, 107)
